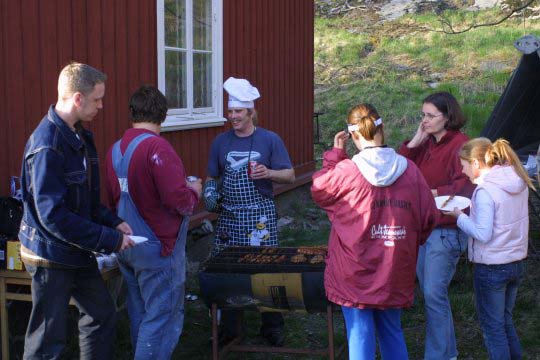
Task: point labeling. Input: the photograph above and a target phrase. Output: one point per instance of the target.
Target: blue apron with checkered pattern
(247, 217)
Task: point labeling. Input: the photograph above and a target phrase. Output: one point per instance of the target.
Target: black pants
(51, 291)
(270, 321)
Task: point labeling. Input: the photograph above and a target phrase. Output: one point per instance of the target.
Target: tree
(508, 9)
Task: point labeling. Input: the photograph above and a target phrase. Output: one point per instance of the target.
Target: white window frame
(179, 119)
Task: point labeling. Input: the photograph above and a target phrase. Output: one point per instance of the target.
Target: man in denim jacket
(64, 223)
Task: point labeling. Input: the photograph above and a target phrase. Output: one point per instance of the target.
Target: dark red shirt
(157, 184)
(439, 163)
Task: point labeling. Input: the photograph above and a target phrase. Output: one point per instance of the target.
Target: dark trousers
(270, 321)
(51, 291)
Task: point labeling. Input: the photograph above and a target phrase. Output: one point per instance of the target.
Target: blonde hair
(364, 115)
(254, 115)
(490, 154)
(77, 77)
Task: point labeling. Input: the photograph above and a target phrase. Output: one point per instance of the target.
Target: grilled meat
(317, 259)
(298, 258)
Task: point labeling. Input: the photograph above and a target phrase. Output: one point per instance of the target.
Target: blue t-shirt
(267, 148)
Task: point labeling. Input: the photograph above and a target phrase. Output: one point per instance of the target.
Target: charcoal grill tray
(226, 261)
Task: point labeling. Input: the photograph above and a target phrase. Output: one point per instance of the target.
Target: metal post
(214, 332)
(330, 320)
(317, 128)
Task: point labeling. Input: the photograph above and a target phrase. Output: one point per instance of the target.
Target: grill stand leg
(214, 333)
(239, 320)
(330, 321)
(216, 353)
(235, 345)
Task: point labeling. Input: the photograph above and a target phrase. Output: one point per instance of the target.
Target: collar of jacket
(68, 134)
(450, 134)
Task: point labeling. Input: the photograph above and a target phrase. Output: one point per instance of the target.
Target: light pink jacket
(509, 239)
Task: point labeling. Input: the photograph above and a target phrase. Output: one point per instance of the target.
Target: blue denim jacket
(64, 221)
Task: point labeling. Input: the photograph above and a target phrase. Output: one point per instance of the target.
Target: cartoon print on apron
(248, 218)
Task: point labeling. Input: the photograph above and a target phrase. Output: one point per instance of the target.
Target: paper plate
(458, 201)
(138, 239)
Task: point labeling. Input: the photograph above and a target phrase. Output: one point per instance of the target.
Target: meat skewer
(447, 201)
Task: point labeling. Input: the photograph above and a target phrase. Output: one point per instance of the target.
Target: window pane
(202, 25)
(175, 23)
(175, 79)
(202, 80)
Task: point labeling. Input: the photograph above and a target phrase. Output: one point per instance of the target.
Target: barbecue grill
(266, 279)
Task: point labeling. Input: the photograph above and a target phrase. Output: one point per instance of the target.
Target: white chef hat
(241, 93)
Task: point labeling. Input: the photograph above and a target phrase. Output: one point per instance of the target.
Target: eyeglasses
(430, 116)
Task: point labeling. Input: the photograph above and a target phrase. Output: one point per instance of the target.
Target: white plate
(458, 201)
(138, 239)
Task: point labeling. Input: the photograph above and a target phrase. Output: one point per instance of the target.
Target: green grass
(391, 65)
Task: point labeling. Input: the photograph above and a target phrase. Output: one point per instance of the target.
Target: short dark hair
(447, 104)
(148, 104)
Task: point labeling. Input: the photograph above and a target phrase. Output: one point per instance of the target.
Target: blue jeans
(495, 290)
(437, 260)
(51, 291)
(155, 295)
(361, 327)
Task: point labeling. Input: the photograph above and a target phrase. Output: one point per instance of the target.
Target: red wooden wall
(38, 38)
(269, 42)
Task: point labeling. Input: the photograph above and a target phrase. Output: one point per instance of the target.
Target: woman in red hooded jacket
(381, 210)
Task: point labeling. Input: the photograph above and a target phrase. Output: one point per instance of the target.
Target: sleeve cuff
(119, 244)
(117, 222)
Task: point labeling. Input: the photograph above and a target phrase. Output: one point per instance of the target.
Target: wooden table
(14, 277)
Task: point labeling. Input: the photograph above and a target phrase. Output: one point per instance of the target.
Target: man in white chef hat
(243, 163)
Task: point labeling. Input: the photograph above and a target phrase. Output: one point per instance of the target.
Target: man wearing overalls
(245, 161)
(146, 184)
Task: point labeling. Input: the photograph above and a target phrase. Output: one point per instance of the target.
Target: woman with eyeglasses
(381, 210)
(434, 149)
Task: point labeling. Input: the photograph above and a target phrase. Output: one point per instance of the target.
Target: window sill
(174, 123)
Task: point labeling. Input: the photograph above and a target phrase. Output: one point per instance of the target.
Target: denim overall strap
(126, 207)
(121, 161)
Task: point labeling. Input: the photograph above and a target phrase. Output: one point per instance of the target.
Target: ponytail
(500, 153)
(491, 154)
(368, 120)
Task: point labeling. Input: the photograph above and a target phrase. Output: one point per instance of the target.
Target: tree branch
(452, 31)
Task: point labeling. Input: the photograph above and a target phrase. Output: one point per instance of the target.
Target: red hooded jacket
(376, 229)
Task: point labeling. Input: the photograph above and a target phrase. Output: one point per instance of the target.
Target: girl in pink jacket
(498, 236)
(381, 210)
